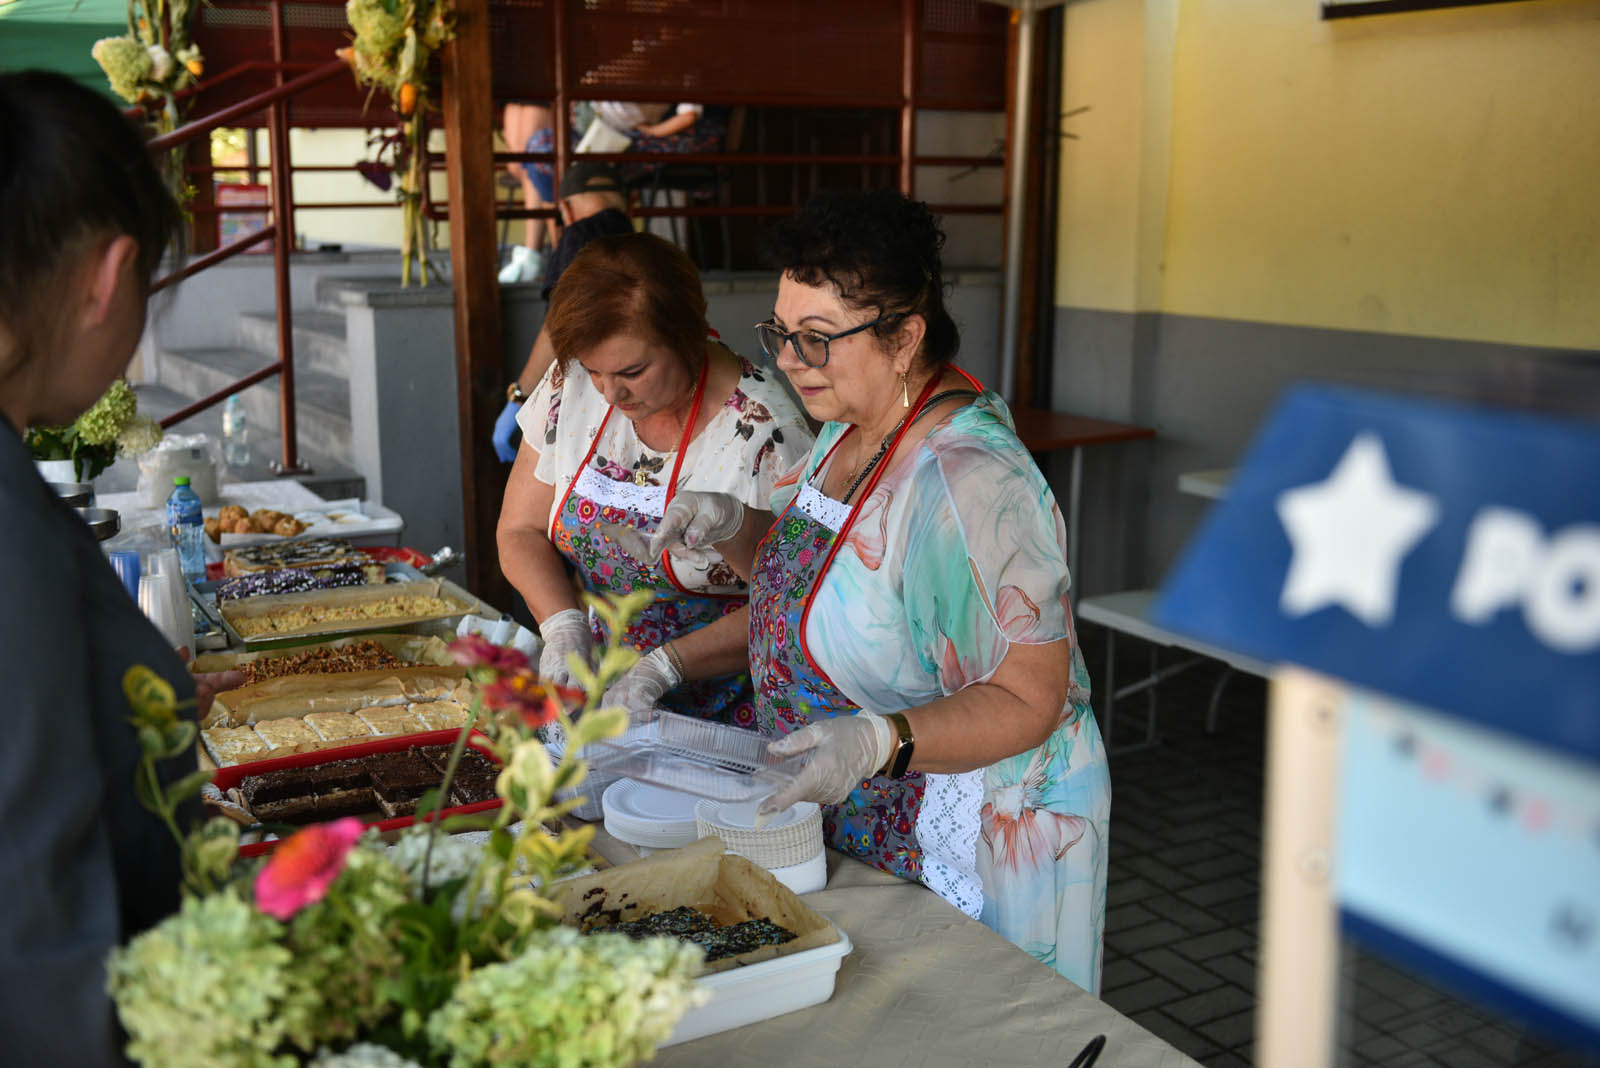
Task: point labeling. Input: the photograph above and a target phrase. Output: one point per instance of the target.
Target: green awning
(57, 35)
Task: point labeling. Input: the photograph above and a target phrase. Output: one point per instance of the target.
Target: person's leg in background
(528, 127)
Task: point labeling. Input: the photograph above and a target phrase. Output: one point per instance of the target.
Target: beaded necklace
(877, 458)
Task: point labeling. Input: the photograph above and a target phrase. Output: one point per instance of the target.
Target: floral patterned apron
(877, 822)
(596, 500)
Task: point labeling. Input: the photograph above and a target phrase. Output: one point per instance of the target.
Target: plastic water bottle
(186, 523)
(235, 444)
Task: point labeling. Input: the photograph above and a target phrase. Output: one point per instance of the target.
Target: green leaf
(500, 843)
(599, 724)
(581, 674)
(150, 696)
(468, 821)
(428, 802)
(179, 737)
(188, 786)
(151, 743)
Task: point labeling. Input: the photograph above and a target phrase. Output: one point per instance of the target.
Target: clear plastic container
(697, 757)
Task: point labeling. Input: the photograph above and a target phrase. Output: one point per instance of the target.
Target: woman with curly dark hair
(910, 627)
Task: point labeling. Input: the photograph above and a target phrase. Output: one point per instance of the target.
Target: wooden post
(474, 263)
(909, 58)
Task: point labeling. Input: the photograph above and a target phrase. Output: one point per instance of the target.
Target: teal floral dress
(958, 552)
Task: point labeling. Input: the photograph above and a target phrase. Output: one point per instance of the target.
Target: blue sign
(1472, 857)
(1446, 555)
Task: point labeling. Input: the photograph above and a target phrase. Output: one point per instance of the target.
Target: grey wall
(403, 413)
(1206, 384)
(203, 311)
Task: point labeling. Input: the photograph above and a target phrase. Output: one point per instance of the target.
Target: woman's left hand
(694, 523)
(640, 689)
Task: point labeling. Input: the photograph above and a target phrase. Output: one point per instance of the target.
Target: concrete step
(330, 288)
(319, 341)
(322, 401)
(330, 476)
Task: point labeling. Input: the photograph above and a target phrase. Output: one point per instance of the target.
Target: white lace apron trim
(646, 500)
(824, 509)
(947, 830)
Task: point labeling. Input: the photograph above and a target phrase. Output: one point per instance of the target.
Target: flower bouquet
(342, 950)
(112, 426)
(392, 44)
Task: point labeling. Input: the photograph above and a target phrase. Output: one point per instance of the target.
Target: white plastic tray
(698, 757)
(359, 522)
(754, 992)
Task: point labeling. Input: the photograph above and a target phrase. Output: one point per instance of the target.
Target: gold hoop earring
(905, 393)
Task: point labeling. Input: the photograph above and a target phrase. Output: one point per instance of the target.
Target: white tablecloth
(924, 986)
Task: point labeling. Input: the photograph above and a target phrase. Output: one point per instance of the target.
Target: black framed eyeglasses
(810, 345)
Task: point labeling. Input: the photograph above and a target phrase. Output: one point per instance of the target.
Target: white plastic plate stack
(649, 816)
(790, 846)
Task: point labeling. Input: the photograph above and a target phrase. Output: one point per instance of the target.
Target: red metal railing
(281, 232)
(310, 75)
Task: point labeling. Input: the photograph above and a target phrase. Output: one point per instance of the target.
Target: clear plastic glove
(565, 632)
(843, 752)
(640, 689)
(505, 428)
(693, 523)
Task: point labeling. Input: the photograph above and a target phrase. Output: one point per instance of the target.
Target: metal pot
(103, 522)
(76, 494)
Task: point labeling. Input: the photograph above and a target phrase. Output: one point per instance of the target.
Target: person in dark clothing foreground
(84, 220)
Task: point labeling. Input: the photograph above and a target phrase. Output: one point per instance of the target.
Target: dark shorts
(542, 175)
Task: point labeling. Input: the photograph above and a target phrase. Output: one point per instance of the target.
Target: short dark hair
(629, 284)
(72, 168)
(880, 250)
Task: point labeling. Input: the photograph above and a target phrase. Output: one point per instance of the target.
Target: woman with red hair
(641, 405)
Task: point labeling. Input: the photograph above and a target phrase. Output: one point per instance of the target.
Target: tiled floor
(1183, 898)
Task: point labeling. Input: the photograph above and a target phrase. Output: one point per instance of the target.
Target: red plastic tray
(386, 553)
(229, 777)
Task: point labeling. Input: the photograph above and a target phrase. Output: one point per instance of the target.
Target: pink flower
(1017, 613)
(474, 650)
(869, 535)
(304, 866)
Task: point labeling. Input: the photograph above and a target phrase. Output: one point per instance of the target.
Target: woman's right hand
(563, 632)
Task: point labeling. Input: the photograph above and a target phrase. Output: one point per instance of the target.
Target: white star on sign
(1349, 534)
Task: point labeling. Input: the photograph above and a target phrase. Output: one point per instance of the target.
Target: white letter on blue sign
(1564, 604)
(1508, 562)
(1502, 557)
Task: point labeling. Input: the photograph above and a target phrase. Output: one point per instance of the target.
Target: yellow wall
(376, 226)
(1435, 173)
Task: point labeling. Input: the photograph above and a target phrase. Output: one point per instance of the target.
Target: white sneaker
(525, 265)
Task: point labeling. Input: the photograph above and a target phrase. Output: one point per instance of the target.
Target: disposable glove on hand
(693, 523)
(640, 689)
(565, 632)
(844, 751)
(505, 428)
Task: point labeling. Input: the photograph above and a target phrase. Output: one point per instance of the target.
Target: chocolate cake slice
(307, 795)
(475, 775)
(475, 779)
(399, 779)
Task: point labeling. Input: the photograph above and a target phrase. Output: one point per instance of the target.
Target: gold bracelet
(676, 661)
